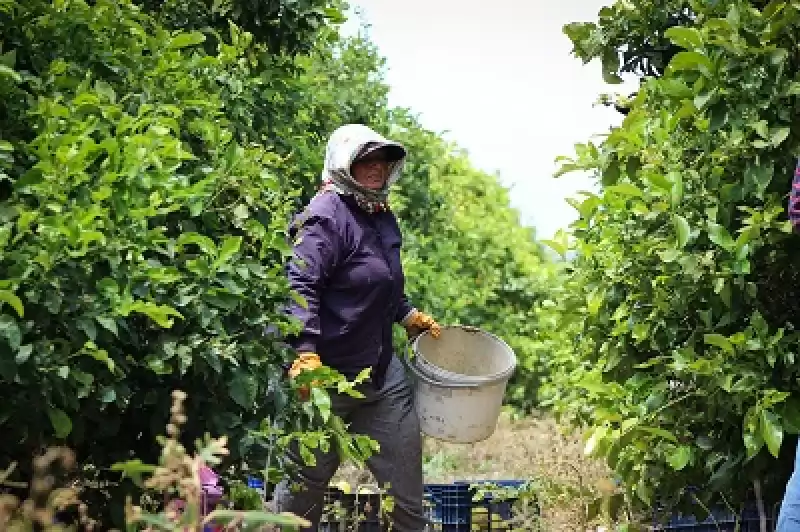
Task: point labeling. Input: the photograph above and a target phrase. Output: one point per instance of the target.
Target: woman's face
(372, 171)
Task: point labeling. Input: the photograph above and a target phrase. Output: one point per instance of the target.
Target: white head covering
(345, 146)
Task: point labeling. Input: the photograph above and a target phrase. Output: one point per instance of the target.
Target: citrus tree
(142, 237)
(672, 332)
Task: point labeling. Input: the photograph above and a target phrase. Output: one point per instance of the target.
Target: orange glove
(419, 321)
(304, 362)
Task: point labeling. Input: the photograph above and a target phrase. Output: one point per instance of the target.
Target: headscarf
(345, 146)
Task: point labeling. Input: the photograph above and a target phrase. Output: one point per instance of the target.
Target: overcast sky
(499, 77)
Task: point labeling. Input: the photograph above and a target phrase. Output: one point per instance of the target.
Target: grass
(536, 449)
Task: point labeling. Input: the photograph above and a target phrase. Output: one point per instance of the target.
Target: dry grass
(529, 449)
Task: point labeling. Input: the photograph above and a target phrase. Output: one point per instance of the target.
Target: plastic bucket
(464, 355)
(457, 409)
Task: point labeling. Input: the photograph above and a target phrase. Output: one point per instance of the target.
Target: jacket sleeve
(794, 200)
(404, 310)
(316, 252)
(404, 307)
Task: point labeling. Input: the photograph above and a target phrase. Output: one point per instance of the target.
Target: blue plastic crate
(503, 506)
(449, 506)
(720, 520)
(255, 483)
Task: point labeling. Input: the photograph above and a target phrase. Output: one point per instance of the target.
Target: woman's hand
(304, 362)
(419, 322)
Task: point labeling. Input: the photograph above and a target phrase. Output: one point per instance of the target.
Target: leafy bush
(281, 26)
(671, 333)
(142, 244)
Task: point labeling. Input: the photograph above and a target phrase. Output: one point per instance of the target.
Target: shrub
(670, 333)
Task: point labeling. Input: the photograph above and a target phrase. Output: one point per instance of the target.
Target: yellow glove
(304, 362)
(419, 321)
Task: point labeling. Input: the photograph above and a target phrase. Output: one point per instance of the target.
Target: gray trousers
(387, 416)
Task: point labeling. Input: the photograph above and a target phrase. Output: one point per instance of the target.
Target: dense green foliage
(673, 332)
(143, 235)
(147, 178)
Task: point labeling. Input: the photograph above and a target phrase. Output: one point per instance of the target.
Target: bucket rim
(474, 379)
(443, 375)
(455, 384)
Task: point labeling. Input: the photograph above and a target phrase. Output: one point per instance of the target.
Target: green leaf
(704, 442)
(322, 400)
(87, 326)
(771, 432)
(760, 175)
(242, 388)
(23, 354)
(183, 40)
(254, 520)
(594, 301)
(717, 116)
(10, 73)
(660, 181)
(691, 61)
(558, 247)
(161, 314)
(676, 192)
(610, 64)
(790, 416)
(669, 255)
(719, 341)
(101, 355)
(720, 236)
(559, 243)
(778, 135)
(203, 242)
(644, 492)
(762, 128)
(682, 229)
(299, 299)
(230, 246)
(688, 38)
(702, 100)
(62, 424)
(625, 189)
(108, 395)
(794, 89)
(13, 300)
(593, 442)
(241, 212)
(133, 469)
(105, 90)
(679, 457)
(658, 432)
(10, 331)
(110, 324)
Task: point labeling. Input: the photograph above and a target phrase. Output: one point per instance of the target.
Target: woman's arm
(315, 255)
(794, 200)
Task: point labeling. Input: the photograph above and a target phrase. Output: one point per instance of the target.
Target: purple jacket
(346, 265)
(794, 200)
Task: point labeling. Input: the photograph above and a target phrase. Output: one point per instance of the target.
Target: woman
(347, 267)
